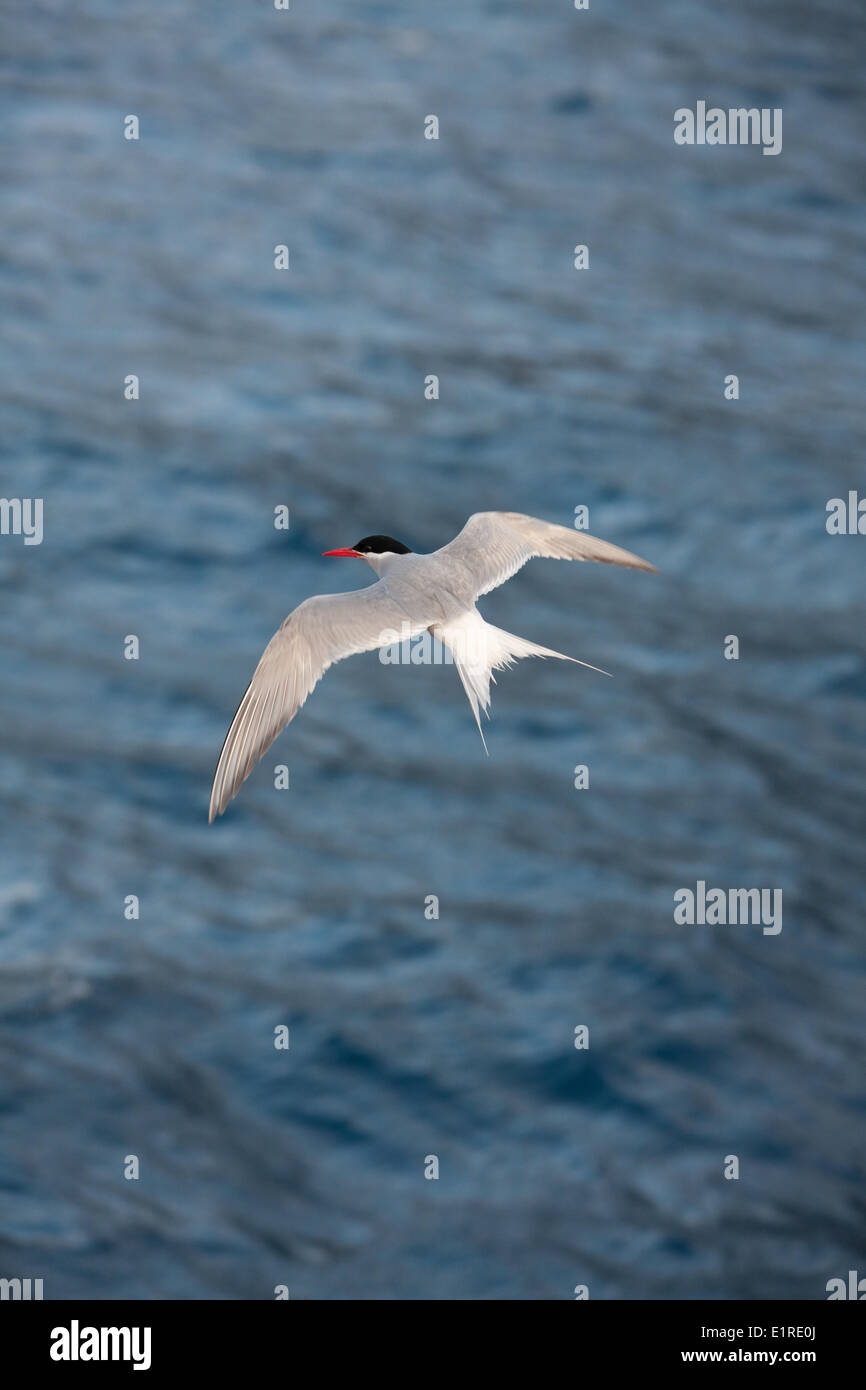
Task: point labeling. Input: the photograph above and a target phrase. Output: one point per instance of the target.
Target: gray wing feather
(320, 632)
(494, 545)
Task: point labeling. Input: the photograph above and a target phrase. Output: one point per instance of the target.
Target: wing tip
(627, 561)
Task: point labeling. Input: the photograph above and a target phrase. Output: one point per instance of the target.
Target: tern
(414, 593)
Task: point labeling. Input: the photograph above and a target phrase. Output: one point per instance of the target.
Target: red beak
(347, 551)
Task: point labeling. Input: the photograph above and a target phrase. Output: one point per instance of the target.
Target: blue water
(413, 1037)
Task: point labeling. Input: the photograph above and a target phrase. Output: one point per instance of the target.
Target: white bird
(435, 593)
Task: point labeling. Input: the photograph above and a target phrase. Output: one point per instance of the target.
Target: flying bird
(414, 593)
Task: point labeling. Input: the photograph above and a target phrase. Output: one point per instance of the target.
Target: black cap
(380, 545)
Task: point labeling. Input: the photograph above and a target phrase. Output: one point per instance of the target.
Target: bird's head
(378, 551)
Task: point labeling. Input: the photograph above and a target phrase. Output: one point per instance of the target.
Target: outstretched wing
(494, 545)
(319, 632)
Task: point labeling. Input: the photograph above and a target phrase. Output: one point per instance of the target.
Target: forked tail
(479, 649)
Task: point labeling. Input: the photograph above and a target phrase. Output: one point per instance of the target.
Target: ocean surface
(413, 1036)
